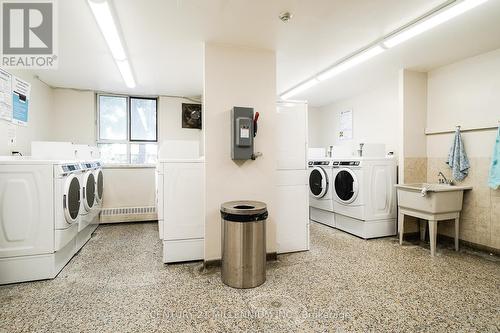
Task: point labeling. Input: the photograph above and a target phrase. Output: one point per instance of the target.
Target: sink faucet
(444, 180)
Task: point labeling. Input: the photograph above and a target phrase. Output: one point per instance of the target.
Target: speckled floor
(117, 283)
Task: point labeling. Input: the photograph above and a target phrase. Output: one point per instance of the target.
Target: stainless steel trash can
(243, 243)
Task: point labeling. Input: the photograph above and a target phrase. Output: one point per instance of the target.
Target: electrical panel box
(241, 133)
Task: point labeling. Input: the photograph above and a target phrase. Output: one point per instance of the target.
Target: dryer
(364, 197)
(40, 204)
(91, 200)
(321, 191)
(88, 195)
(99, 191)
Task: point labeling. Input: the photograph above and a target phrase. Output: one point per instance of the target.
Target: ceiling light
(104, 17)
(301, 87)
(108, 25)
(126, 71)
(351, 62)
(433, 21)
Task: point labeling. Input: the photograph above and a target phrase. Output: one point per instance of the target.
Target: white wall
(466, 93)
(39, 118)
(315, 128)
(414, 114)
(74, 116)
(170, 121)
(129, 187)
(236, 76)
(375, 118)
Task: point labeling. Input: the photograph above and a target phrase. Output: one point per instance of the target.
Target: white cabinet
(292, 214)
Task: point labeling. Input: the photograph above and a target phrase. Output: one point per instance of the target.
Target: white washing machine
(88, 195)
(40, 204)
(99, 191)
(321, 191)
(364, 197)
(91, 179)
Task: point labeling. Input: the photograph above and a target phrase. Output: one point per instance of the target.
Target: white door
(291, 136)
(292, 213)
(184, 207)
(26, 210)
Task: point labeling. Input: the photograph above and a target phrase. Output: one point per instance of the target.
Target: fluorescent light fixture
(351, 62)
(126, 72)
(104, 17)
(103, 14)
(432, 21)
(300, 88)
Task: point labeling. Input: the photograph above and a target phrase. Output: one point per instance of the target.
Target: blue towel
(494, 178)
(457, 158)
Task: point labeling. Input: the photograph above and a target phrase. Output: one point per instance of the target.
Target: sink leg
(401, 222)
(457, 220)
(423, 225)
(433, 236)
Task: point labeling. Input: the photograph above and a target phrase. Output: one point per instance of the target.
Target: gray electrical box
(241, 133)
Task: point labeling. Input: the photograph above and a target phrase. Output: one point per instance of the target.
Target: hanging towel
(494, 178)
(457, 158)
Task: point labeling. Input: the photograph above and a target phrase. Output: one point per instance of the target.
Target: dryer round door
(71, 198)
(318, 182)
(99, 184)
(89, 190)
(346, 186)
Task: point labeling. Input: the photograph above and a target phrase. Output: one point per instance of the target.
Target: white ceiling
(165, 41)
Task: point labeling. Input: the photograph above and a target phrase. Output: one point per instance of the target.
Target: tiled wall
(480, 217)
(415, 171)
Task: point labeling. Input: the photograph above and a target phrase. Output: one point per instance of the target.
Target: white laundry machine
(40, 204)
(181, 208)
(99, 191)
(364, 197)
(87, 210)
(321, 191)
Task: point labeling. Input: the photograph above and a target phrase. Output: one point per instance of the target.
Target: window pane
(143, 153)
(112, 118)
(113, 152)
(143, 119)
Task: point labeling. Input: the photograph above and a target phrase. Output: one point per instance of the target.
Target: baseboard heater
(128, 214)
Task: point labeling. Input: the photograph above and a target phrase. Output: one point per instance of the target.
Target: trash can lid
(243, 207)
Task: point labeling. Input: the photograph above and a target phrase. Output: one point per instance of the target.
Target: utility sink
(431, 198)
(431, 202)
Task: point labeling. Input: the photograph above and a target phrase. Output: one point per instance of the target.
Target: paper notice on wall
(20, 101)
(345, 128)
(5, 95)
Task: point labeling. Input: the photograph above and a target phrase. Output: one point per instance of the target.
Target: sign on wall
(345, 128)
(5, 95)
(20, 101)
(14, 98)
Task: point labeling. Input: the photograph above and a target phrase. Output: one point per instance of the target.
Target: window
(127, 129)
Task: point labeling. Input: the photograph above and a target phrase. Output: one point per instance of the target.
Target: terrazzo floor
(117, 283)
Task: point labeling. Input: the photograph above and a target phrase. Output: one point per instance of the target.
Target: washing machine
(91, 179)
(321, 191)
(88, 195)
(40, 204)
(99, 191)
(364, 197)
